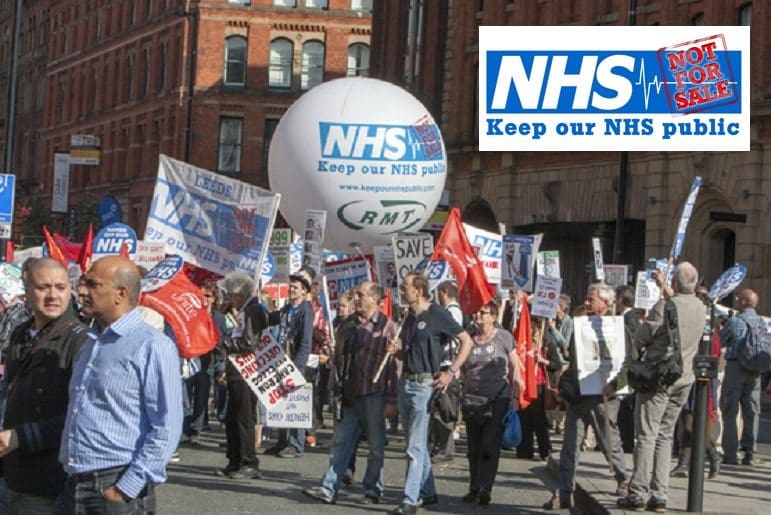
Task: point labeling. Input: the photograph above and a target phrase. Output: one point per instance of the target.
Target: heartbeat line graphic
(413, 143)
(643, 81)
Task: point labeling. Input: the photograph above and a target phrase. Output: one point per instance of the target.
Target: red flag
(523, 336)
(86, 250)
(181, 304)
(124, 250)
(453, 246)
(9, 246)
(54, 251)
(386, 303)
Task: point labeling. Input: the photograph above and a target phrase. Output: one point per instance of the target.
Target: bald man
(741, 387)
(124, 417)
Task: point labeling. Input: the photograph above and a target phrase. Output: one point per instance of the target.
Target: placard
(600, 351)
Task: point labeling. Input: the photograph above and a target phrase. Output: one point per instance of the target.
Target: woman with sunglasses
(486, 375)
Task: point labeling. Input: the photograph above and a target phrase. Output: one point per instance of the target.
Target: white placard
(547, 263)
(600, 351)
(519, 253)
(60, 197)
(295, 411)
(599, 270)
(616, 275)
(646, 291)
(313, 238)
(546, 296)
(409, 250)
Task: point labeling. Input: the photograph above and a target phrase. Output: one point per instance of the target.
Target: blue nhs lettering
(543, 82)
(373, 142)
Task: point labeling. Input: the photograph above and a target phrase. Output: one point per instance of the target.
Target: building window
(130, 78)
(361, 5)
(235, 61)
(312, 72)
(267, 137)
(146, 72)
(148, 9)
(745, 15)
(316, 4)
(285, 3)
(162, 61)
(231, 134)
(280, 72)
(132, 13)
(358, 60)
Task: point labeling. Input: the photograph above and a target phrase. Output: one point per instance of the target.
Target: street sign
(84, 149)
(7, 193)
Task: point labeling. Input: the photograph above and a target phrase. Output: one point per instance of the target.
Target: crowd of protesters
(97, 400)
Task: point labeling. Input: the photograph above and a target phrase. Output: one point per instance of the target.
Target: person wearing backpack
(741, 385)
(674, 326)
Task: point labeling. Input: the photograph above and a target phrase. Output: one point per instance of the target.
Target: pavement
(736, 490)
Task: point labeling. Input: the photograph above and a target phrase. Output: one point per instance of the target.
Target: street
(192, 487)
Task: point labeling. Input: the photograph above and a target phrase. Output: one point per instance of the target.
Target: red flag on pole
(523, 336)
(124, 250)
(87, 250)
(453, 246)
(386, 303)
(54, 252)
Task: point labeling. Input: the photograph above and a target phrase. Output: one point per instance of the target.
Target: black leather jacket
(36, 406)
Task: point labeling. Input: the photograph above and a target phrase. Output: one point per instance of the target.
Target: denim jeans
(365, 415)
(85, 497)
(198, 392)
(294, 437)
(27, 504)
(414, 408)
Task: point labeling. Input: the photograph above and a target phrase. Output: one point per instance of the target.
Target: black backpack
(755, 356)
(651, 376)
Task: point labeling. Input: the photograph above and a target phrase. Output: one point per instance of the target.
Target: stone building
(203, 82)
(573, 196)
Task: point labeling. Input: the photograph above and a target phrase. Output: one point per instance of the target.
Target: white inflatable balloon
(364, 150)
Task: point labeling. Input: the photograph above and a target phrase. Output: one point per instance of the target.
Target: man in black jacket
(39, 366)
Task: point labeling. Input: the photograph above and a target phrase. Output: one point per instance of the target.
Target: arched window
(235, 61)
(280, 72)
(312, 72)
(358, 60)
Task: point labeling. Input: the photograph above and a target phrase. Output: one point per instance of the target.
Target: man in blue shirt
(124, 417)
(741, 387)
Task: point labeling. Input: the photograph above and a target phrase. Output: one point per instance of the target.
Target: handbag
(478, 408)
(654, 375)
(512, 429)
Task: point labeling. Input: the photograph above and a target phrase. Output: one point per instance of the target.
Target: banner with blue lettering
(685, 217)
(346, 275)
(519, 252)
(110, 240)
(488, 246)
(215, 222)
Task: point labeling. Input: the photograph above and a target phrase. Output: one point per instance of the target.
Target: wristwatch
(452, 370)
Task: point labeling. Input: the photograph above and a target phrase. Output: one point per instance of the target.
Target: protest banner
(110, 240)
(436, 271)
(11, 285)
(727, 282)
(646, 291)
(345, 275)
(268, 371)
(212, 221)
(616, 275)
(280, 239)
(20, 256)
(519, 252)
(547, 263)
(599, 270)
(685, 217)
(546, 296)
(313, 239)
(600, 351)
(409, 250)
(488, 246)
(295, 411)
(149, 254)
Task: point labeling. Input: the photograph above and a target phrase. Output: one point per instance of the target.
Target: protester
(213, 300)
(124, 416)
(38, 369)
(533, 417)
(560, 329)
(511, 310)
(491, 361)
(657, 412)
(198, 384)
(589, 411)
(444, 410)
(296, 336)
(741, 387)
(241, 416)
(322, 347)
(426, 328)
(365, 403)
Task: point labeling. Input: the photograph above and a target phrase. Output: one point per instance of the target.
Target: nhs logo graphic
(421, 142)
(614, 88)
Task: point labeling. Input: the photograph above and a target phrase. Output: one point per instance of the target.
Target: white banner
(295, 411)
(268, 371)
(600, 351)
(488, 246)
(519, 253)
(546, 296)
(60, 197)
(313, 238)
(646, 291)
(409, 250)
(547, 263)
(212, 221)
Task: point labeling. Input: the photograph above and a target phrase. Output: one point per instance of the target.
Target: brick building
(571, 197)
(123, 70)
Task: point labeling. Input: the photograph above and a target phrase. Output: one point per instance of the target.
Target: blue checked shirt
(125, 404)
